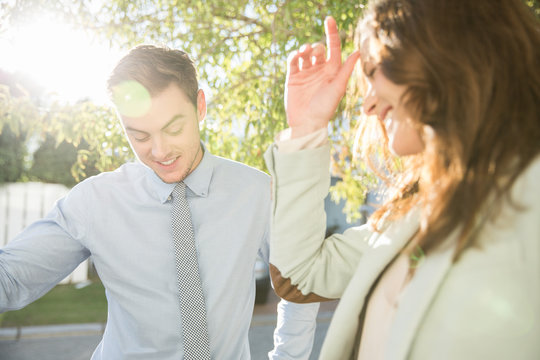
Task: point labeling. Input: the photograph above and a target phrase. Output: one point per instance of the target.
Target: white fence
(23, 203)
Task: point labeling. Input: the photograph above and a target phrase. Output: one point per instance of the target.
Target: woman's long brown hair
(472, 71)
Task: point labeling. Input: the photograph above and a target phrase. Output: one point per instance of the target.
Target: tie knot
(179, 190)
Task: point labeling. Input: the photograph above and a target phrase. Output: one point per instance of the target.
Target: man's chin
(171, 178)
(169, 181)
(168, 177)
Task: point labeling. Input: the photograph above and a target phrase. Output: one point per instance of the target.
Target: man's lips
(167, 163)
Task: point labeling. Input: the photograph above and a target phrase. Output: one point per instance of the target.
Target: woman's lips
(384, 113)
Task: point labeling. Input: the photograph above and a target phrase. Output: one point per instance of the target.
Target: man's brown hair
(156, 68)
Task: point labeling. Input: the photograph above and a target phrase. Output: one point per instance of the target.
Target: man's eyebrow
(169, 123)
(128, 128)
(174, 118)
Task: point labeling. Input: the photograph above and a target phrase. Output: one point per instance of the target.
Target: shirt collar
(198, 181)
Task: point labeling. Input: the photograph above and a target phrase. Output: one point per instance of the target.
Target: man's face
(166, 138)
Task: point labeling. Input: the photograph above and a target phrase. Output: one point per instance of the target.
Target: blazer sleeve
(306, 267)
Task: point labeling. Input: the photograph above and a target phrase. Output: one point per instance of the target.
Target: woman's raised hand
(315, 84)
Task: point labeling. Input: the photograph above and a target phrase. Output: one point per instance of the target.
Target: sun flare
(66, 61)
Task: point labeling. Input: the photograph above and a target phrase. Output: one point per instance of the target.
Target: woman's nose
(370, 101)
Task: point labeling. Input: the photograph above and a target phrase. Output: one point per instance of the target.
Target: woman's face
(384, 99)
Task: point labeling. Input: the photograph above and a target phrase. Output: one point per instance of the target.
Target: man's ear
(201, 105)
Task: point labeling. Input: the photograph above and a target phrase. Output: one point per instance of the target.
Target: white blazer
(484, 306)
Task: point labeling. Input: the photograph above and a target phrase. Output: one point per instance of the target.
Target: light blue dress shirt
(122, 220)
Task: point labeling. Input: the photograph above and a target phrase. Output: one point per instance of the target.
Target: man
(135, 224)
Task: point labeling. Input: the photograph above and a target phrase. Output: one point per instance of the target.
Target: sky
(65, 61)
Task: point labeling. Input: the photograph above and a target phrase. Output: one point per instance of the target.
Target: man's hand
(315, 84)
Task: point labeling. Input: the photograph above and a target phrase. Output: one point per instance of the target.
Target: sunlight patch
(131, 99)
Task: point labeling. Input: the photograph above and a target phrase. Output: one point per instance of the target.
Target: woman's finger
(292, 63)
(333, 41)
(305, 55)
(318, 54)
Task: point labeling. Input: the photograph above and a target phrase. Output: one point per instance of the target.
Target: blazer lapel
(417, 298)
(341, 334)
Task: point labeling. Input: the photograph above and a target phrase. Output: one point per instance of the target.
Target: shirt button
(169, 198)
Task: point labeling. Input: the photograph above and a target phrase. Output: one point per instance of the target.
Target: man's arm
(295, 331)
(296, 323)
(39, 257)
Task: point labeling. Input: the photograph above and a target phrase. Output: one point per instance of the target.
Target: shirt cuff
(314, 140)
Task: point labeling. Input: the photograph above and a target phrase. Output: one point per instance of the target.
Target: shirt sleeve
(295, 331)
(41, 255)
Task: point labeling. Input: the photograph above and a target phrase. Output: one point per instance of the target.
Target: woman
(449, 266)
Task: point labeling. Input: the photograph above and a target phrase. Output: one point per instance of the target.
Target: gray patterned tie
(192, 305)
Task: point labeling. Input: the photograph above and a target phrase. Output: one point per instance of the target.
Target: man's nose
(159, 148)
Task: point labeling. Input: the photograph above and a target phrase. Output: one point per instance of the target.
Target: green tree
(535, 6)
(12, 153)
(53, 162)
(59, 129)
(240, 47)
(18, 117)
(104, 148)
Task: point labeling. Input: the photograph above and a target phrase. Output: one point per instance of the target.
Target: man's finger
(333, 41)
